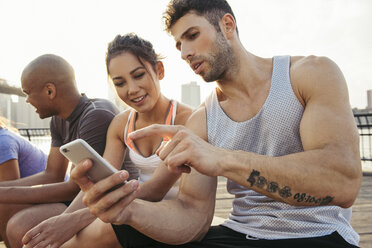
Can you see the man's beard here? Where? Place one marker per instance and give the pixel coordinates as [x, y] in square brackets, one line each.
[220, 59]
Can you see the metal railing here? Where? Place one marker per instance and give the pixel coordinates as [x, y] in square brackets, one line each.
[34, 133]
[41, 136]
[364, 124]
[38, 136]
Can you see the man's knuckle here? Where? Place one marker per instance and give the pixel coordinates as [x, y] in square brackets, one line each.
[180, 127]
[105, 218]
[162, 156]
[73, 176]
[182, 133]
[156, 127]
[93, 211]
[95, 190]
[109, 201]
[85, 201]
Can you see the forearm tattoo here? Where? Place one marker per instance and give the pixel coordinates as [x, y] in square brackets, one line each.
[273, 187]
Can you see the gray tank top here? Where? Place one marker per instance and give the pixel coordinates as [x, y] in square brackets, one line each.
[274, 131]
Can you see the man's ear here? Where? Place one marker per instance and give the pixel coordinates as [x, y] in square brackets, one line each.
[160, 70]
[228, 25]
[50, 90]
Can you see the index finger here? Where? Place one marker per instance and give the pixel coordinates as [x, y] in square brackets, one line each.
[79, 175]
[165, 131]
[33, 233]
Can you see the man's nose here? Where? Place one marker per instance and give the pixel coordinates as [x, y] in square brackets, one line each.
[186, 53]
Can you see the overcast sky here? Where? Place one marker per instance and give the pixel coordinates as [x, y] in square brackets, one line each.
[79, 31]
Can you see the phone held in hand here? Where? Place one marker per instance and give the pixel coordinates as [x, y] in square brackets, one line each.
[79, 150]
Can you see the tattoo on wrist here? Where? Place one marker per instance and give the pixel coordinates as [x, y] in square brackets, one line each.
[303, 197]
[261, 182]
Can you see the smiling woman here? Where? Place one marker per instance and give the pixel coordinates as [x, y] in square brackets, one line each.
[136, 70]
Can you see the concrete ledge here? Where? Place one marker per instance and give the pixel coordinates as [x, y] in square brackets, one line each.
[216, 221]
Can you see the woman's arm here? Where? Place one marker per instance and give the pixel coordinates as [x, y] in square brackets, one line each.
[9, 170]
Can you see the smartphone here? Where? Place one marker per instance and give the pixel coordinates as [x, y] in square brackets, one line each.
[79, 150]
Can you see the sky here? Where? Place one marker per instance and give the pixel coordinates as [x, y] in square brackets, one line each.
[79, 31]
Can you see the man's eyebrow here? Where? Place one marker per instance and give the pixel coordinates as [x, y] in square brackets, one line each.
[178, 43]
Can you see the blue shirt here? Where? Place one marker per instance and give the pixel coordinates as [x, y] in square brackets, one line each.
[31, 159]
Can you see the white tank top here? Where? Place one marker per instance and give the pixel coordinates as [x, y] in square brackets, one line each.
[147, 165]
[274, 131]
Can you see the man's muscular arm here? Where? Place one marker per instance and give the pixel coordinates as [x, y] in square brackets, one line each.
[328, 171]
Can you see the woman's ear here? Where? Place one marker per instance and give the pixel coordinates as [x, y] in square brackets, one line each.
[160, 70]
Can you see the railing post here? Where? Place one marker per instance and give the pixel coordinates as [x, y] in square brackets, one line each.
[364, 124]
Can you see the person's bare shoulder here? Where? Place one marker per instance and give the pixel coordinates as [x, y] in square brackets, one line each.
[119, 122]
[197, 122]
[183, 114]
[312, 64]
[312, 74]
[122, 117]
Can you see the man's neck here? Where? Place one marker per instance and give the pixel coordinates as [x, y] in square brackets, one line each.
[250, 73]
[68, 105]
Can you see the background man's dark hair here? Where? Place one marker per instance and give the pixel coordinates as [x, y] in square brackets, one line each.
[212, 10]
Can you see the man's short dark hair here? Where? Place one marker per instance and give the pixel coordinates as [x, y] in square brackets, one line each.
[212, 10]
